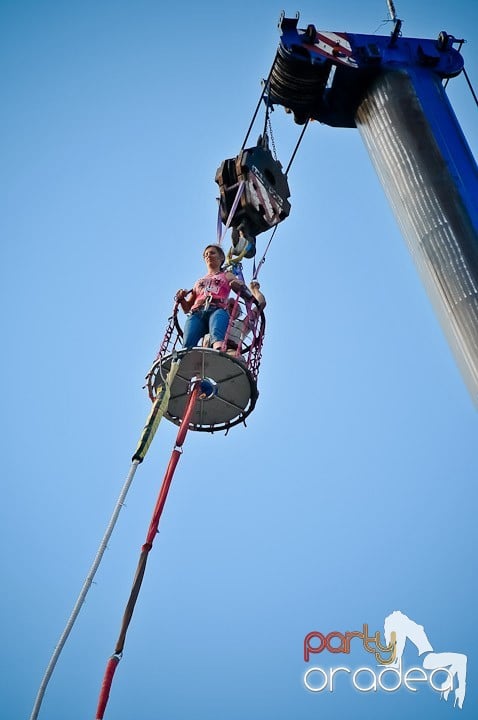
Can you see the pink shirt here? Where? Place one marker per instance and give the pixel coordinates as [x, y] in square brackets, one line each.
[216, 287]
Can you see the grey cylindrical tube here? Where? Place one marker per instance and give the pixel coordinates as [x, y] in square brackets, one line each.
[431, 180]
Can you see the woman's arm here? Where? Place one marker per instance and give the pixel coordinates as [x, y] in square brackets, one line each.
[243, 291]
[185, 302]
[261, 301]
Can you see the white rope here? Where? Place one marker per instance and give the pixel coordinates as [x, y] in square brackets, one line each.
[84, 590]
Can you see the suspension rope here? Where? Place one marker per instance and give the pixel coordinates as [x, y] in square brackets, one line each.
[266, 131]
[297, 146]
[266, 122]
[266, 83]
[157, 411]
[263, 259]
[153, 530]
[239, 193]
[470, 86]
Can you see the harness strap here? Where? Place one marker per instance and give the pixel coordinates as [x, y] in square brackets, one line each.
[211, 303]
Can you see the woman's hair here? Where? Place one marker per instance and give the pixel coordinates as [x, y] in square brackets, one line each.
[218, 248]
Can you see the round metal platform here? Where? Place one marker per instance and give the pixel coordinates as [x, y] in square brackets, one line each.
[235, 389]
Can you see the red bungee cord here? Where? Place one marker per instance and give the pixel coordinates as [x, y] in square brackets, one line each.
[152, 532]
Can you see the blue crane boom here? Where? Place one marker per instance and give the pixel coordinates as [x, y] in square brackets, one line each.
[392, 89]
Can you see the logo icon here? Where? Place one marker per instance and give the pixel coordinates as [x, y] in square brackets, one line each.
[406, 629]
[389, 675]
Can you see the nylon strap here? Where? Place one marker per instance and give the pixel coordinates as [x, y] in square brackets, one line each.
[239, 192]
[160, 406]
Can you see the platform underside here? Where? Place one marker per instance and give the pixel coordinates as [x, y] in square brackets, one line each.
[236, 391]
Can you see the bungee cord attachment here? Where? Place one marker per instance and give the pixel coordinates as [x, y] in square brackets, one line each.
[157, 412]
[197, 390]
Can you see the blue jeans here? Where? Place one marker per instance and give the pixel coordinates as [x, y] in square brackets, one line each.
[213, 321]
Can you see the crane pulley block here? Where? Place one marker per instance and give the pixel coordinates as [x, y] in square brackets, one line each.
[263, 201]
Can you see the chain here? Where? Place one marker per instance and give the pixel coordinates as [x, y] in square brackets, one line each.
[271, 136]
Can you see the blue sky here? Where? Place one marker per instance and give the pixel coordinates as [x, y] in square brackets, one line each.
[352, 490]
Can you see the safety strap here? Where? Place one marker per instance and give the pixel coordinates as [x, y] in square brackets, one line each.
[232, 212]
[160, 406]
